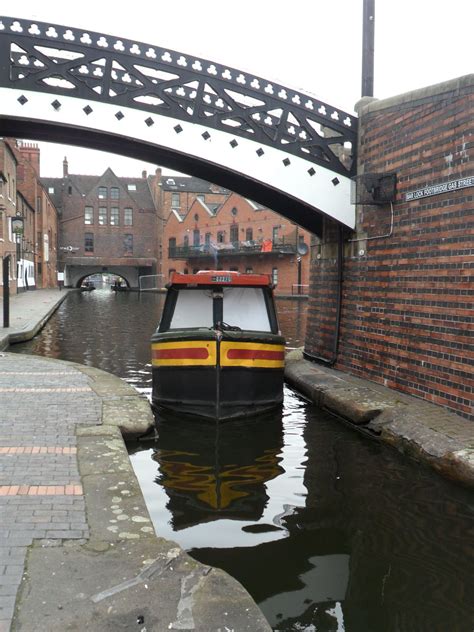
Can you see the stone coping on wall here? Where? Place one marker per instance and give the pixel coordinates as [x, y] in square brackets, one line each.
[429, 433]
[368, 105]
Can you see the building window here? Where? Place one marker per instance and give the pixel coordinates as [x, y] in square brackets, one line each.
[88, 215]
[249, 234]
[50, 190]
[128, 244]
[69, 190]
[249, 270]
[102, 216]
[132, 187]
[175, 201]
[234, 233]
[275, 233]
[220, 237]
[234, 211]
[114, 193]
[128, 217]
[275, 276]
[207, 239]
[186, 241]
[171, 246]
[114, 216]
[89, 242]
[46, 243]
[102, 193]
[196, 217]
[196, 237]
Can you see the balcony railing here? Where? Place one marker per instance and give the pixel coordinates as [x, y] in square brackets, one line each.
[252, 247]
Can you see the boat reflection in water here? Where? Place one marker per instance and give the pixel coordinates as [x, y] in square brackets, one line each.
[219, 471]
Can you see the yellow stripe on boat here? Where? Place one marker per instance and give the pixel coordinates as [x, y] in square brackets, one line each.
[252, 355]
[189, 353]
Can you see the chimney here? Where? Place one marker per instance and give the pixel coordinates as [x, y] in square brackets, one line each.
[31, 153]
[65, 167]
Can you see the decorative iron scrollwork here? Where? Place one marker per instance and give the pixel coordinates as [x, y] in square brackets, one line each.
[61, 60]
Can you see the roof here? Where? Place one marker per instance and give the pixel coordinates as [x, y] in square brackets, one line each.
[137, 188]
[220, 277]
[188, 183]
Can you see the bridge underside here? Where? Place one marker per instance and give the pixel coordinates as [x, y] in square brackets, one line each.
[76, 272]
[293, 208]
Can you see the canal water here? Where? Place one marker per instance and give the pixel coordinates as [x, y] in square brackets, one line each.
[330, 531]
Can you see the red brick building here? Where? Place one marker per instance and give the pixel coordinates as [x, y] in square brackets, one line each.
[33, 250]
[42, 245]
[406, 283]
[107, 224]
[207, 228]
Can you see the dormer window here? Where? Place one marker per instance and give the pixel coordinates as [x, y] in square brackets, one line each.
[102, 193]
[114, 193]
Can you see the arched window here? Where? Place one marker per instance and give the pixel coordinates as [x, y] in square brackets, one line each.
[234, 233]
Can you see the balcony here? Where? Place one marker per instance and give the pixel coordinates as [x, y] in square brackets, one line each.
[236, 248]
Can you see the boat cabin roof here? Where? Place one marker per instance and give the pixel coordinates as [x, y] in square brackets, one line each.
[220, 277]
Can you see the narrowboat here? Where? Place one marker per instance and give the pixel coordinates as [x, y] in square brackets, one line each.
[218, 353]
[87, 286]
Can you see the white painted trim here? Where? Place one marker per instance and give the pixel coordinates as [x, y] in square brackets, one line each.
[317, 191]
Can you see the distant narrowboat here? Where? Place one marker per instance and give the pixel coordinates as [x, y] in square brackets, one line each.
[217, 352]
[87, 286]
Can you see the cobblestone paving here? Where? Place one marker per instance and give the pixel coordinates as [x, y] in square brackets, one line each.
[40, 490]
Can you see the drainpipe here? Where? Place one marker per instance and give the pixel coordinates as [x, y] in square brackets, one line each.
[6, 291]
[337, 325]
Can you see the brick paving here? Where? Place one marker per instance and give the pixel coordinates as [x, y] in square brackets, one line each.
[41, 496]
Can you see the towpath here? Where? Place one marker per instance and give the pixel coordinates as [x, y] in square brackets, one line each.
[77, 546]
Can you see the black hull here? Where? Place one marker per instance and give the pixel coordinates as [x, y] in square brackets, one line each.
[241, 374]
[217, 394]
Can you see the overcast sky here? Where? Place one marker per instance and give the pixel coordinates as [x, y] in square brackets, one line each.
[311, 45]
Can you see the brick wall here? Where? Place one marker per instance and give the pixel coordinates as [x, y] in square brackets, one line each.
[407, 297]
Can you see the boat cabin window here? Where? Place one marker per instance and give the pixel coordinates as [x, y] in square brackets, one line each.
[193, 309]
[241, 307]
[245, 307]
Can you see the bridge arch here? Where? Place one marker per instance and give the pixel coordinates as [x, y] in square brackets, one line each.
[76, 274]
[283, 148]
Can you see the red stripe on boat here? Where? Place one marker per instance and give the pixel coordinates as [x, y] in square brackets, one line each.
[254, 354]
[192, 353]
